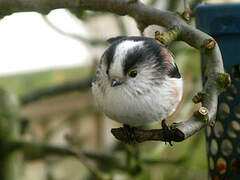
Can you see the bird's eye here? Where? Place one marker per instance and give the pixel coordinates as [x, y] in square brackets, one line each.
[132, 73]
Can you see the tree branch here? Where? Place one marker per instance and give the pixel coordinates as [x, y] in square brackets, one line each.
[141, 135]
[77, 85]
[93, 42]
[168, 37]
[140, 12]
[146, 15]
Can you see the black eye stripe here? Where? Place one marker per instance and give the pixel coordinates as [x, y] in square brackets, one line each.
[109, 53]
[109, 56]
[149, 51]
[135, 56]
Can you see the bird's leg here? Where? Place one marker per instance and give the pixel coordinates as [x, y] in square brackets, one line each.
[167, 128]
[129, 131]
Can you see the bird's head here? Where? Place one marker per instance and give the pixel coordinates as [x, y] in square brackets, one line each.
[137, 63]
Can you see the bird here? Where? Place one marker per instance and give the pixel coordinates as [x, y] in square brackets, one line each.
[137, 82]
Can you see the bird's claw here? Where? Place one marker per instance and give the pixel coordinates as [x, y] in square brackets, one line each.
[129, 132]
[166, 133]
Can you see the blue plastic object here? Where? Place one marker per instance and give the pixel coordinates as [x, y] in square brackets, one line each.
[222, 22]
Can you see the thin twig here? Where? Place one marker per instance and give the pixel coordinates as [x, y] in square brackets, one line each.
[93, 42]
[77, 85]
[121, 25]
[187, 10]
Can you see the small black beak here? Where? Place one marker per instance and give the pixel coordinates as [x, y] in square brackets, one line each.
[115, 83]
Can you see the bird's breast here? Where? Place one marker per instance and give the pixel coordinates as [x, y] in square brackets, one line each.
[135, 107]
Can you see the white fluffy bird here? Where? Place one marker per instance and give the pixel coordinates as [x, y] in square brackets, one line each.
[137, 81]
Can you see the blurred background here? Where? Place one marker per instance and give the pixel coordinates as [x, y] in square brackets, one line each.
[42, 54]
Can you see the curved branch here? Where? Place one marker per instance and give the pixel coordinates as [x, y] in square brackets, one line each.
[146, 15]
[140, 12]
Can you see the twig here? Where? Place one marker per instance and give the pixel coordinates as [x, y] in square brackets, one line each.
[77, 85]
[140, 12]
[199, 97]
[167, 37]
[141, 135]
[187, 10]
[94, 14]
[121, 26]
[165, 161]
[93, 42]
[202, 114]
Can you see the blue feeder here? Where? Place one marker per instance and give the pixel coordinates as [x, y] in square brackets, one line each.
[222, 22]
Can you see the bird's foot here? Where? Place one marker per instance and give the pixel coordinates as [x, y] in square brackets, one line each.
[166, 133]
[129, 132]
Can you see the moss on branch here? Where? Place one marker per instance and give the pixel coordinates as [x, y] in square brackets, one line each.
[167, 37]
[199, 97]
[223, 81]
